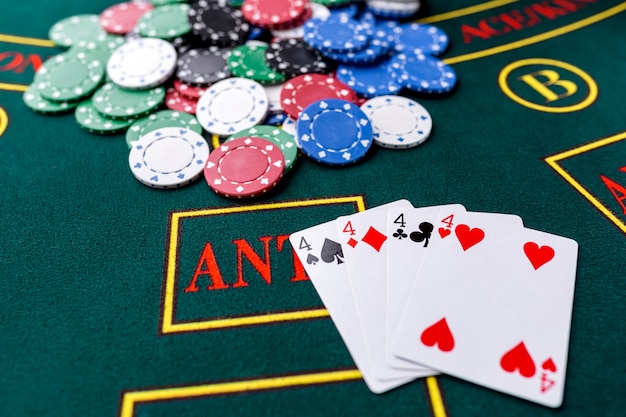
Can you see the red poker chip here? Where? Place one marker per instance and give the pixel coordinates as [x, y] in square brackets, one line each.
[177, 102]
[189, 91]
[301, 20]
[303, 90]
[272, 13]
[121, 18]
[244, 167]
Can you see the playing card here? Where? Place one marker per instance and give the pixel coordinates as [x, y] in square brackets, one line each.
[410, 234]
[364, 239]
[492, 305]
[322, 256]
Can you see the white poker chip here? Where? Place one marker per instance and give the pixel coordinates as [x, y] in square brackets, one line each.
[142, 63]
[169, 157]
[273, 97]
[290, 126]
[232, 105]
[398, 122]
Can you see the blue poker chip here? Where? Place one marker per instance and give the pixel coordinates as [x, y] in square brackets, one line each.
[275, 119]
[423, 73]
[380, 44]
[337, 33]
[374, 80]
[420, 38]
[256, 32]
[334, 132]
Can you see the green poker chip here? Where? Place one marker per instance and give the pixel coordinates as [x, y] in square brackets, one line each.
[91, 120]
[34, 101]
[158, 120]
[284, 140]
[165, 22]
[248, 61]
[331, 3]
[115, 102]
[157, 3]
[100, 49]
[69, 77]
[73, 29]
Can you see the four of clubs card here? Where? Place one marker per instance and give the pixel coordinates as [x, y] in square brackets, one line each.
[421, 291]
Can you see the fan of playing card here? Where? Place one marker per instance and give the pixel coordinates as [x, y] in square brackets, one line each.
[421, 291]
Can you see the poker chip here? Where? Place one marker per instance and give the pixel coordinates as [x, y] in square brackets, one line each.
[143, 63]
[34, 101]
[165, 22]
[121, 18]
[424, 73]
[379, 45]
[159, 120]
[398, 122]
[169, 157]
[174, 100]
[303, 90]
[100, 50]
[232, 105]
[91, 120]
[69, 77]
[333, 3]
[69, 31]
[272, 13]
[293, 57]
[116, 103]
[189, 91]
[218, 23]
[393, 9]
[203, 66]
[338, 33]
[334, 132]
[244, 167]
[419, 39]
[284, 140]
[370, 80]
[248, 61]
[275, 119]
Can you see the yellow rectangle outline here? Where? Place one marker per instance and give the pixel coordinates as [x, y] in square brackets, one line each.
[130, 400]
[553, 160]
[167, 325]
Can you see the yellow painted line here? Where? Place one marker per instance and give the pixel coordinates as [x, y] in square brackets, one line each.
[553, 162]
[168, 326]
[251, 320]
[436, 399]
[4, 121]
[13, 87]
[131, 399]
[466, 11]
[539, 38]
[22, 40]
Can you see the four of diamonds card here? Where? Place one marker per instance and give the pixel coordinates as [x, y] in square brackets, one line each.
[421, 291]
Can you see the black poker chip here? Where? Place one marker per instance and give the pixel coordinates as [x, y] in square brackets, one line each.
[217, 23]
[293, 57]
[203, 66]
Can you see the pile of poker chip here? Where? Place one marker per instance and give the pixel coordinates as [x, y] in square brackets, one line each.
[268, 80]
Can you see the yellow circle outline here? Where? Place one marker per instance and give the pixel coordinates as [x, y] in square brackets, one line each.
[4, 121]
[591, 97]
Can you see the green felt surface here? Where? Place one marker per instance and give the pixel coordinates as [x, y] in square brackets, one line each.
[84, 246]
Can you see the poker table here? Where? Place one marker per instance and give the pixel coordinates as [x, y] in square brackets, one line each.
[120, 299]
